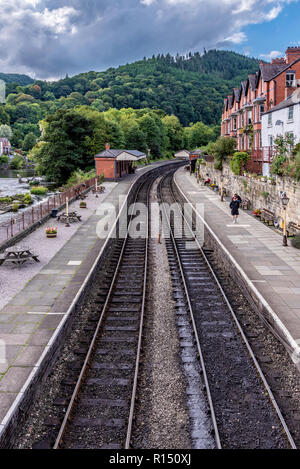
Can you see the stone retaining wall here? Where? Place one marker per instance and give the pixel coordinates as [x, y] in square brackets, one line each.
[261, 194]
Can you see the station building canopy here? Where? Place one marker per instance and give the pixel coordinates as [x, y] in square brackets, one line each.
[182, 154]
[121, 155]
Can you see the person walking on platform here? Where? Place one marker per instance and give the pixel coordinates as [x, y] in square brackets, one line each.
[235, 205]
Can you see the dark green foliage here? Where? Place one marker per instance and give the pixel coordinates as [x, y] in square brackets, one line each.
[65, 145]
[296, 242]
[17, 162]
[191, 88]
[22, 80]
[237, 161]
[4, 116]
[29, 142]
[4, 159]
[222, 149]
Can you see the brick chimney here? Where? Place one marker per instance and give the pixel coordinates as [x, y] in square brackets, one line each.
[107, 146]
[292, 53]
[278, 60]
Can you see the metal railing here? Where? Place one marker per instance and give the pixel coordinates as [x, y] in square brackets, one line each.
[30, 216]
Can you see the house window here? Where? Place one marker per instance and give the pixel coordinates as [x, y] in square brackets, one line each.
[255, 114]
[291, 114]
[270, 140]
[260, 140]
[261, 110]
[249, 117]
[290, 79]
[234, 123]
[270, 120]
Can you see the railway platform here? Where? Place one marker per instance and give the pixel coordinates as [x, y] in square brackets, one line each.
[32, 323]
[269, 271]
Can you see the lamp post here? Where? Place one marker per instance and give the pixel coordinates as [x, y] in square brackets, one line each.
[285, 200]
[222, 188]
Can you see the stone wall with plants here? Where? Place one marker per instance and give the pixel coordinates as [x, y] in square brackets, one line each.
[262, 192]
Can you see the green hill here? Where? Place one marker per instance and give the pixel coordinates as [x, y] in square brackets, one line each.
[191, 87]
[22, 80]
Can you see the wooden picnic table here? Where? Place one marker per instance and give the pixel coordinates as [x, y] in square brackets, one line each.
[71, 217]
[19, 255]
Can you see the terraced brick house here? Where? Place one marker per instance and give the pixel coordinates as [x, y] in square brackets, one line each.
[242, 114]
[5, 146]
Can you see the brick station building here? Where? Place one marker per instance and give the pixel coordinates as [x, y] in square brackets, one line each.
[115, 164]
[243, 109]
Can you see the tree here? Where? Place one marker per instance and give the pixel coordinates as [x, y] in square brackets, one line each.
[29, 141]
[136, 139]
[222, 148]
[4, 117]
[65, 145]
[153, 137]
[5, 131]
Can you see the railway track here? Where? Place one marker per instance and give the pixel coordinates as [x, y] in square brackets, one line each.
[244, 412]
[101, 409]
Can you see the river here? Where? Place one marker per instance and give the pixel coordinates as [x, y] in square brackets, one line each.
[9, 185]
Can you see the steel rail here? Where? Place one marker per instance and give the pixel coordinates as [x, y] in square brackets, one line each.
[236, 321]
[132, 404]
[209, 397]
[95, 337]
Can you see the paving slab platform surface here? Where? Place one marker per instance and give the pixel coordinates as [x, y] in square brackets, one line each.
[270, 270]
[30, 322]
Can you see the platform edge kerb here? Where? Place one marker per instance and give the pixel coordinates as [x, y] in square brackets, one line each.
[22, 400]
[291, 344]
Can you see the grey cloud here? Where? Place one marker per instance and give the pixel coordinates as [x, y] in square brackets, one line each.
[71, 36]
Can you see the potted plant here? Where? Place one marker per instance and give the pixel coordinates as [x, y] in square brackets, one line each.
[82, 204]
[51, 232]
[257, 212]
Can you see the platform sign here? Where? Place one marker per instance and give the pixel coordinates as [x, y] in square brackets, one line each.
[2, 92]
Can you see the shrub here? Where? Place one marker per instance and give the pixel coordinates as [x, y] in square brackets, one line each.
[5, 200]
[296, 242]
[27, 199]
[265, 195]
[39, 190]
[79, 177]
[15, 207]
[277, 165]
[239, 158]
[17, 162]
[4, 159]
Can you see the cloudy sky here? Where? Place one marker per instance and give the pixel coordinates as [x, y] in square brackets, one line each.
[48, 39]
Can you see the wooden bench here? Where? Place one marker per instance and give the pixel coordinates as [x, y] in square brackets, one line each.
[267, 216]
[245, 204]
[293, 229]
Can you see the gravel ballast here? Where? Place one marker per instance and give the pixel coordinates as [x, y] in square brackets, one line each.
[162, 420]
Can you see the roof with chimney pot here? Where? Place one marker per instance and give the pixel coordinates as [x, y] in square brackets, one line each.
[115, 154]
